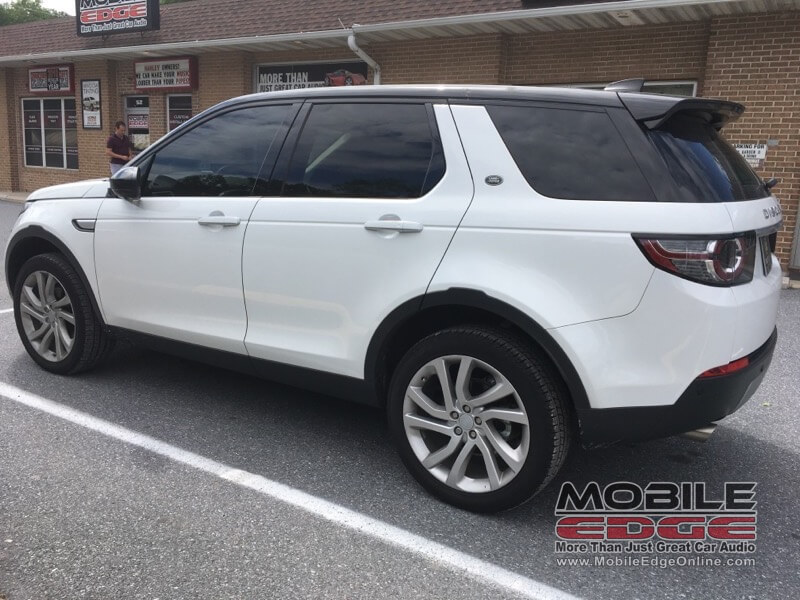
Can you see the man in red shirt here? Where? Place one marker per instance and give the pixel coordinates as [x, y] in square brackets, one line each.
[118, 147]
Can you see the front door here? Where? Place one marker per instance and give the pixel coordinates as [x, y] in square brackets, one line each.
[170, 265]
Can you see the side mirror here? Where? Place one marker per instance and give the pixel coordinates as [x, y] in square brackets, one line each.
[125, 184]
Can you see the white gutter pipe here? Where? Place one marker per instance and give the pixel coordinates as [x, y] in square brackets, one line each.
[376, 68]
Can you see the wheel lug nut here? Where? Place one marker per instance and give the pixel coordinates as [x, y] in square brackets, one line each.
[473, 435]
[459, 431]
[454, 415]
[467, 408]
[478, 421]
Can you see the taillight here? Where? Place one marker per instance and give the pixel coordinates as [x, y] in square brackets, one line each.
[720, 261]
[732, 367]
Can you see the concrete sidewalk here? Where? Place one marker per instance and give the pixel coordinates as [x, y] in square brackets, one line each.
[18, 197]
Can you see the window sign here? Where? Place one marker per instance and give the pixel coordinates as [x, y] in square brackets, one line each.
[273, 78]
[137, 118]
[166, 74]
[46, 80]
[104, 17]
[90, 104]
[179, 110]
[754, 154]
[51, 132]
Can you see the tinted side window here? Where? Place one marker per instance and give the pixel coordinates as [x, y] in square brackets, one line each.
[365, 151]
[571, 154]
[221, 157]
[703, 164]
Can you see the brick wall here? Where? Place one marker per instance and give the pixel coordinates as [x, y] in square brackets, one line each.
[92, 158]
[6, 135]
[664, 52]
[468, 60]
[756, 61]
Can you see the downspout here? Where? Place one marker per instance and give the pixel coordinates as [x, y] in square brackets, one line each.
[376, 68]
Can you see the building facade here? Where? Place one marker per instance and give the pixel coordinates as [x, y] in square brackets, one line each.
[63, 92]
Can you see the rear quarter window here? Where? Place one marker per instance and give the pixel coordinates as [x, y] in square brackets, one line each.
[569, 153]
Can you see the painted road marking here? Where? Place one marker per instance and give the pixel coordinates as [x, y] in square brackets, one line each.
[6, 310]
[475, 568]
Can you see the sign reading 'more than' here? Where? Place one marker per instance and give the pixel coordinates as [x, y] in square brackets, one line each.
[174, 74]
[107, 17]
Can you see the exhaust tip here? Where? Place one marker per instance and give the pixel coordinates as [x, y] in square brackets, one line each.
[701, 434]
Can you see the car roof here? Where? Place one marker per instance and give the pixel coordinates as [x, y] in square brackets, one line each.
[456, 93]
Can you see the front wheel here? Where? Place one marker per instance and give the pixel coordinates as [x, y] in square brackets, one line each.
[479, 418]
[54, 316]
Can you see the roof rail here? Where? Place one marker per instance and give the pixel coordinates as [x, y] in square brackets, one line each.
[626, 85]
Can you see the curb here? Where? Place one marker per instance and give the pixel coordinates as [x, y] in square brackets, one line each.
[15, 198]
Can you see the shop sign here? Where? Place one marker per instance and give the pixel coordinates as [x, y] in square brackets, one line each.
[166, 74]
[138, 122]
[90, 104]
[106, 17]
[754, 154]
[273, 78]
[46, 80]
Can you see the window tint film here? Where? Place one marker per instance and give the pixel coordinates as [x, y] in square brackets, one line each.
[365, 151]
[705, 166]
[571, 154]
[221, 157]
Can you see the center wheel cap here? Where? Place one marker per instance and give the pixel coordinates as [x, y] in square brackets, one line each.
[466, 422]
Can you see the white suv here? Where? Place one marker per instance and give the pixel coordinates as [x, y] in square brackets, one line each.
[504, 269]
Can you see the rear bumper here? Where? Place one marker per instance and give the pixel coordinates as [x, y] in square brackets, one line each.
[705, 400]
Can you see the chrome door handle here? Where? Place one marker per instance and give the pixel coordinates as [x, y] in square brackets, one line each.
[390, 225]
[219, 220]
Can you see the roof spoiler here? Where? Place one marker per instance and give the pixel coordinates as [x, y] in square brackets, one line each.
[653, 111]
[626, 85]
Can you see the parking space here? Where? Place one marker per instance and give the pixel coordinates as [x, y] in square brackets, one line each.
[89, 514]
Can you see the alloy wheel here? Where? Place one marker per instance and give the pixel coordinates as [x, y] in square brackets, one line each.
[466, 424]
[48, 317]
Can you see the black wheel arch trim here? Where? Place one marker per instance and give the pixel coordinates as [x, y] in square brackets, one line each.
[476, 299]
[38, 232]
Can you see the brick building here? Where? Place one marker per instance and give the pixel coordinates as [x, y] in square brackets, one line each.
[206, 51]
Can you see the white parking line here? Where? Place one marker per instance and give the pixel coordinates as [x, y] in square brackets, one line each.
[6, 310]
[475, 568]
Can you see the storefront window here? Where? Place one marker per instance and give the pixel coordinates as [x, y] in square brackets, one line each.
[179, 110]
[51, 133]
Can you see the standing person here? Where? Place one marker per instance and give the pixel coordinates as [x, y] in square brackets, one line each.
[118, 147]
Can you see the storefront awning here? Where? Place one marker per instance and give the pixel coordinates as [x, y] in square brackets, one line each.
[600, 15]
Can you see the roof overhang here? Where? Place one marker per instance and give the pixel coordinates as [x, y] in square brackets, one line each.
[601, 15]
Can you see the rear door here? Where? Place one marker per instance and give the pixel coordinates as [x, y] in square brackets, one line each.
[373, 192]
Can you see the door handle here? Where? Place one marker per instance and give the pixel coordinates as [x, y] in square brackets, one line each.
[393, 225]
[219, 220]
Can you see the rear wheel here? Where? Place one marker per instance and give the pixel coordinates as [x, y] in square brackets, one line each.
[54, 316]
[479, 418]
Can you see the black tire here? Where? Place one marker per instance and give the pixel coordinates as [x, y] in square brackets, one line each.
[538, 390]
[348, 81]
[91, 342]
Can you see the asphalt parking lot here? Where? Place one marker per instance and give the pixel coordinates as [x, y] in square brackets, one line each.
[207, 505]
